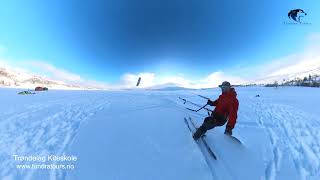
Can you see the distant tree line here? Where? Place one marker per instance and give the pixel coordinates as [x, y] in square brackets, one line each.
[310, 81]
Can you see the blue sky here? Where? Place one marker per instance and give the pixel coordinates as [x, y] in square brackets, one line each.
[108, 40]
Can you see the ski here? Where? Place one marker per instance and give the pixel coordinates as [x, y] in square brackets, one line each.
[230, 136]
[204, 141]
[234, 139]
[202, 138]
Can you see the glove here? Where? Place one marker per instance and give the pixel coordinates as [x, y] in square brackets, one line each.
[210, 102]
[228, 131]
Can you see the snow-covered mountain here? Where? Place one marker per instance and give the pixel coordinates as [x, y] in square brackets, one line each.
[19, 79]
[168, 87]
[287, 76]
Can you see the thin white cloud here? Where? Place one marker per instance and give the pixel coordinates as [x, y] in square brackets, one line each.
[68, 77]
[55, 73]
[299, 64]
[5, 63]
[27, 69]
[216, 78]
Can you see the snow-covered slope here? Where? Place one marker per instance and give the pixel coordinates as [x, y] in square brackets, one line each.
[287, 76]
[141, 135]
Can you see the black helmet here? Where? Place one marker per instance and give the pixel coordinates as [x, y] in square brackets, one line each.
[225, 84]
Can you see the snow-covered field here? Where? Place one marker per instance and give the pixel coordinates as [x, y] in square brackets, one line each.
[136, 135]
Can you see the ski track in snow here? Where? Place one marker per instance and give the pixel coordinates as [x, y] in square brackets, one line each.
[43, 128]
[49, 127]
[290, 131]
[208, 158]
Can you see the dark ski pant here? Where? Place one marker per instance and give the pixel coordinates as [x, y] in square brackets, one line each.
[209, 123]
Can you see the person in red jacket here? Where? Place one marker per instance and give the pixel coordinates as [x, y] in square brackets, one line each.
[226, 110]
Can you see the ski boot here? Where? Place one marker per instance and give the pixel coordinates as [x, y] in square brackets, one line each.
[200, 132]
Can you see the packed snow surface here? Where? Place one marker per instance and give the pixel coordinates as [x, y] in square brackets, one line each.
[140, 134]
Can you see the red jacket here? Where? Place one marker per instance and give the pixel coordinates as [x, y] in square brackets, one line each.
[227, 105]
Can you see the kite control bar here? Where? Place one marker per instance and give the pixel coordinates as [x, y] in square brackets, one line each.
[201, 107]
